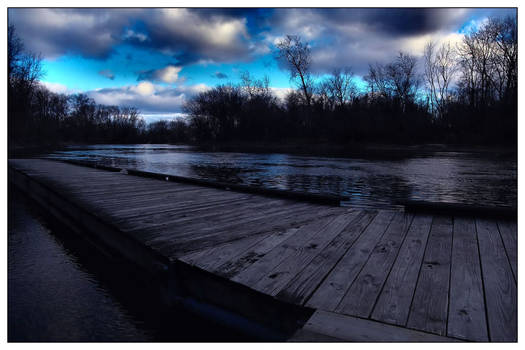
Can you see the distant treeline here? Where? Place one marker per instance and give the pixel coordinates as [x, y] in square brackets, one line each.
[464, 93]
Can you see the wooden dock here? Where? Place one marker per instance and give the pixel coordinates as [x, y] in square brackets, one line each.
[309, 272]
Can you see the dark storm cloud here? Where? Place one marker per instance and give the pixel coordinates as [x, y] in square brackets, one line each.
[338, 37]
[54, 32]
[189, 35]
[357, 37]
[395, 21]
[193, 36]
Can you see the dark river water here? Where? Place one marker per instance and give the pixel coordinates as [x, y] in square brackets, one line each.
[62, 289]
[481, 178]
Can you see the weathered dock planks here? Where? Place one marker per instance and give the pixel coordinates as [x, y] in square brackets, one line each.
[339, 274]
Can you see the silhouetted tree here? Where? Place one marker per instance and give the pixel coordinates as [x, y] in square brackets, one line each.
[296, 55]
[440, 70]
[341, 86]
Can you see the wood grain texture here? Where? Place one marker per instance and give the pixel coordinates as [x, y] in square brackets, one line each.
[499, 283]
[258, 270]
[509, 235]
[393, 305]
[362, 294]
[466, 319]
[430, 305]
[303, 285]
[295, 260]
[335, 285]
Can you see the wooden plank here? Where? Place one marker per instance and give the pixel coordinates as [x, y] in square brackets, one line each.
[466, 315]
[394, 301]
[254, 253]
[499, 283]
[255, 272]
[303, 285]
[294, 261]
[254, 221]
[430, 305]
[170, 204]
[134, 191]
[197, 228]
[348, 328]
[208, 259]
[509, 235]
[126, 207]
[334, 287]
[211, 214]
[109, 199]
[180, 242]
[362, 294]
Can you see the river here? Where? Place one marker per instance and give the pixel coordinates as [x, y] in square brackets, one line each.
[466, 177]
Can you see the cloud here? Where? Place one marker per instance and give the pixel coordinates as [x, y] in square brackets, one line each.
[189, 35]
[168, 74]
[281, 93]
[339, 37]
[107, 73]
[357, 37]
[57, 87]
[149, 98]
[55, 31]
[132, 35]
[220, 75]
[192, 35]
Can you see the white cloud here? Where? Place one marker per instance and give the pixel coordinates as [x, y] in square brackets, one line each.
[57, 88]
[149, 98]
[144, 88]
[168, 74]
[131, 34]
[155, 117]
[416, 45]
[281, 93]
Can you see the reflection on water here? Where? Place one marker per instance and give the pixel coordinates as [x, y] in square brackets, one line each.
[457, 177]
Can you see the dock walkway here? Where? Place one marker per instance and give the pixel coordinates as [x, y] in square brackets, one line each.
[315, 272]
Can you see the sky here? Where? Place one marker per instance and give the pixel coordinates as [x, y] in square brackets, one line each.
[156, 59]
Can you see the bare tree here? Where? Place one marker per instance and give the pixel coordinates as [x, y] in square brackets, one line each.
[341, 86]
[378, 81]
[504, 34]
[489, 62]
[440, 70]
[255, 87]
[403, 78]
[15, 48]
[296, 55]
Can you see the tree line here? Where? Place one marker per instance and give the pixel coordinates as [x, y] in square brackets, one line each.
[463, 93]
